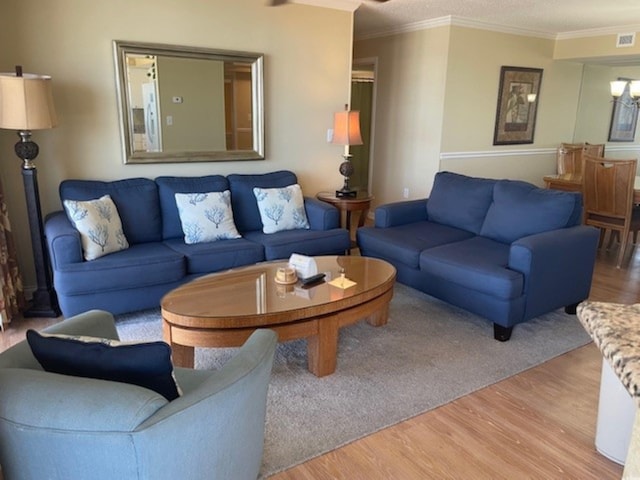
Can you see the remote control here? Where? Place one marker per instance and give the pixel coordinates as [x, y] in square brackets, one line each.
[312, 279]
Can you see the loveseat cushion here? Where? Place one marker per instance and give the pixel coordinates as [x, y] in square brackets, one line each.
[520, 209]
[476, 263]
[243, 200]
[144, 264]
[167, 189]
[403, 243]
[210, 257]
[460, 201]
[281, 245]
[135, 198]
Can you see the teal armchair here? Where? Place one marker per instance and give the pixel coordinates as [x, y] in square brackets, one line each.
[62, 427]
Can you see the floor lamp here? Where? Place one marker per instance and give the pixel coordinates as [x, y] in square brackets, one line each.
[26, 104]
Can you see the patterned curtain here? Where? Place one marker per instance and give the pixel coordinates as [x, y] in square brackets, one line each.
[12, 299]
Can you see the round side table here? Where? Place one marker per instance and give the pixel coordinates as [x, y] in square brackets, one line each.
[360, 203]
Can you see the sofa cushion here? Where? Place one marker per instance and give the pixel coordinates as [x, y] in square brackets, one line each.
[243, 201]
[99, 226]
[167, 189]
[135, 198]
[403, 243]
[215, 256]
[460, 201]
[305, 242]
[281, 208]
[206, 217]
[147, 365]
[520, 209]
[140, 265]
[477, 263]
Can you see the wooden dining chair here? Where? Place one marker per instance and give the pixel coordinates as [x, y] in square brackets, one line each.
[608, 198]
[569, 158]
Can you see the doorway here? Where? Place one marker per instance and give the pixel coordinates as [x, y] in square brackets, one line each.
[363, 99]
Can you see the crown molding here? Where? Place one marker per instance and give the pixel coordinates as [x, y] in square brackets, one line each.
[408, 27]
[494, 27]
[597, 32]
[453, 20]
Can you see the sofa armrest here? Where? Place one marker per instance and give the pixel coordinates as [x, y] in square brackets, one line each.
[321, 215]
[557, 267]
[63, 239]
[400, 213]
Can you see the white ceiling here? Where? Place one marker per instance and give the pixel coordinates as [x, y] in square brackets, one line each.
[546, 18]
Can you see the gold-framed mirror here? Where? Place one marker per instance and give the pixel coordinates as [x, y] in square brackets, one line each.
[188, 104]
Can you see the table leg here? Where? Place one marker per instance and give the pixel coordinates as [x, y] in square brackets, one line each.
[363, 217]
[181, 355]
[379, 317]
[322, 349]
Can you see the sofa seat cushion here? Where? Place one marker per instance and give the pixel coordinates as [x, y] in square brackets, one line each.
[281, 245]
[135, 198]
[460, 201]
[209, 257]
[477, 263]
[144, 264]
[520, 209]
[167, 189]
[404, 243]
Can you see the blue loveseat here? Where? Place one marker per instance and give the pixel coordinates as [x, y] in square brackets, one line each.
[502, 249]
[158, 259]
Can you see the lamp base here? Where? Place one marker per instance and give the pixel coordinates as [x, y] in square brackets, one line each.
[346, 193]
[44, 303]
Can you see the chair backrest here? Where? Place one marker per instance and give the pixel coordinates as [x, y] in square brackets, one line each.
[593, 149]
[569, 158]
[608, 191]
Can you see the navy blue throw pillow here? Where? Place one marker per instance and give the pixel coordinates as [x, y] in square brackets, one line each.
[147, 365]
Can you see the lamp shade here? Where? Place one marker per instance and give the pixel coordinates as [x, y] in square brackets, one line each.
[346, 128]
[26, 102]
[617, 88]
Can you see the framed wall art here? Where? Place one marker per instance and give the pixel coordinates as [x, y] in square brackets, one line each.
[518, 97]
[624, 117]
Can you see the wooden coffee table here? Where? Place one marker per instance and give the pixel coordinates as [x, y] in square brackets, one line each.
[223, 309]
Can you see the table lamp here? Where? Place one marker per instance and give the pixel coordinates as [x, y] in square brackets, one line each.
[346, 131]
[26, 104]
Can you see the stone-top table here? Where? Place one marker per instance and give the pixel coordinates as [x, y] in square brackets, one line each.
[615, 329]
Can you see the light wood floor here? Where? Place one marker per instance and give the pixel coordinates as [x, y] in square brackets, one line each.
[539, 424]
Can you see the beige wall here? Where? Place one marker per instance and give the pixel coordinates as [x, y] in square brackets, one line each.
[436, 100]
[410, 88]
[594, 112]
[593, 48]
[473, 79]
[307, 69]
[197, 124]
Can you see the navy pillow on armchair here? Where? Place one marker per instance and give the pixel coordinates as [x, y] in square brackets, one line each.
[147, 365]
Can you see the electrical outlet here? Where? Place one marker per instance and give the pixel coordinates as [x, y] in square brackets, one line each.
[405, 193]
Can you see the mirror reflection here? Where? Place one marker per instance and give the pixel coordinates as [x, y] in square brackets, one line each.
[189, 104]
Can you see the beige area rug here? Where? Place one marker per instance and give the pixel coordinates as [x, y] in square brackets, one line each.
[429, 354]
